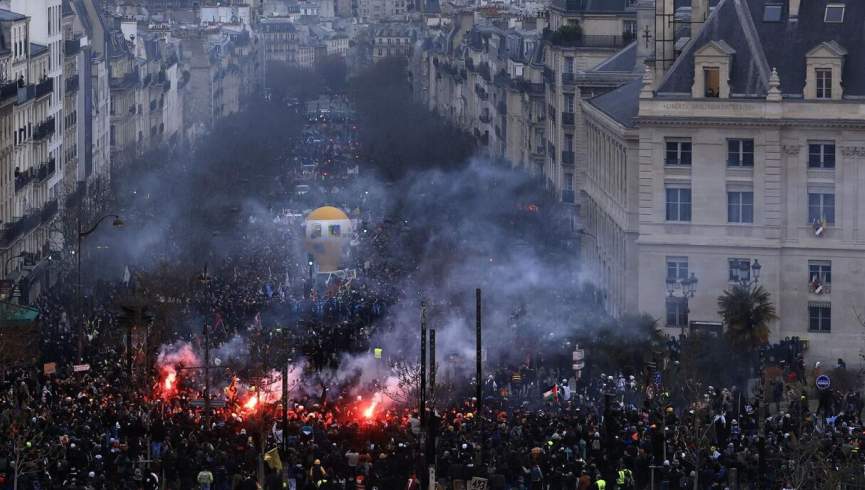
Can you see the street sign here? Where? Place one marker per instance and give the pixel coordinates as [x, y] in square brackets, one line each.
[579, 355]
[823, 382]
[579, 365]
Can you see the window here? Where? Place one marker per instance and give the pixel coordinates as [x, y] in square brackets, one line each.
[740, 153]
[820, 271]
[677, 312]
[821, 206]
[772, 12]
[569, 142]
[821, 155]
[569, 181]
[678, 204]
[316, 231]
[712, 79]
[335, 230]
[678, 152]
[740, 270]
[677, 268]
[834, 13]
[740, 207]
[819, 317]
[569, 103]
[569, 64]
[824, 83]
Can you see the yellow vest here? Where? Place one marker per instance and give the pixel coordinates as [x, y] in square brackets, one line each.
[602, 484]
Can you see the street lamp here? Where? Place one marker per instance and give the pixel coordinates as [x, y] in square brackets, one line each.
[683, 289]
[117, 223]
[754, 277]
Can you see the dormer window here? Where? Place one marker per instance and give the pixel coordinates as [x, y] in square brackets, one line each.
[824, 83]
[824, 65]
[834, 13]
[712, 82]
[712, 70]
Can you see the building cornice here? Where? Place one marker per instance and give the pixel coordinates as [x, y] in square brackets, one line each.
[677, 121]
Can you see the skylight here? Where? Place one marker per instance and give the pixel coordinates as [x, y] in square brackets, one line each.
[834, 13]
[772, 12]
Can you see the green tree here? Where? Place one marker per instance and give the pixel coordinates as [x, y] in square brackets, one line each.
[747, 312]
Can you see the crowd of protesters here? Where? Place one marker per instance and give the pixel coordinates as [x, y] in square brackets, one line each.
[97, 427]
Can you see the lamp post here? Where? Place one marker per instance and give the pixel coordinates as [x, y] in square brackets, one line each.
[750, 280]
[683, 289]
[117, 223]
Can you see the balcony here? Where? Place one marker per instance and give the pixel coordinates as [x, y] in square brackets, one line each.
[502, 108]
[567, 78]
[568, 196]
[72, 84]
[46, 170]
[72, 47]
[9, 90]
[567, 158]
[49, 211]
[568, 118]
[43, 88]
[18, 228]
[485, 118]
[22, 179]
[569, 37]
[44, 130]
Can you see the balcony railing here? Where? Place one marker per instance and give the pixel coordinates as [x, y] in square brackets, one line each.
[49, 210]
[572, 39]
[19, 227]
[46, 170]
[568, 196]
[568, 118]
[820, 288]
[22, 179]
[72, 84]
[567, 157]
[567, 78]
[44, 130]
[45, 87]
[9, 89]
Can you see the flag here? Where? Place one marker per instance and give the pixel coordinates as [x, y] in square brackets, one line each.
[272, 459]
[819, 227]
[127, 275]
[552, 393]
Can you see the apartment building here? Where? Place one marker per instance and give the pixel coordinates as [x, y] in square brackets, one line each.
[29, 156]
[392, 41]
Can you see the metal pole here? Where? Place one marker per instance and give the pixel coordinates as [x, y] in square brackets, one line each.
[478, 354]
[80, 310]
[285, 391]
[422, 409]
[432, 365]
[479, 375]
[206, 375]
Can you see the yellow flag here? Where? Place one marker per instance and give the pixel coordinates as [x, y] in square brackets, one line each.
[272, 459]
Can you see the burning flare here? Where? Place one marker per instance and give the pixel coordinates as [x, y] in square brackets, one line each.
[251, 403]
[369, 412]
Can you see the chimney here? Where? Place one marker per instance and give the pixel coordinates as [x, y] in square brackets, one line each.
[699, 12]
[793, 13]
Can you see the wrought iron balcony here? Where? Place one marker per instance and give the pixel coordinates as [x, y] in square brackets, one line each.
[567, 157]
[568, 118]
[44, 130]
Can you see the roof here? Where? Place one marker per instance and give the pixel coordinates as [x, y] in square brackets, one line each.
[760, 46]
[623, 61]
[327, 213]
[37, 49]
[621, 104]
[593, 5]
[10, 16]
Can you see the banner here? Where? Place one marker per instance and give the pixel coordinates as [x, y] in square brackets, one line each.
[79, 368]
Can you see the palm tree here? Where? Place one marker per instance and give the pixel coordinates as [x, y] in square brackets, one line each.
[747, 312]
